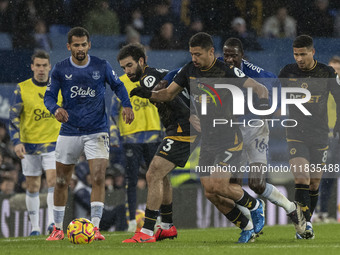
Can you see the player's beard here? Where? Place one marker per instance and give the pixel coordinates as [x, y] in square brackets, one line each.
[138, 74]
[80, 56]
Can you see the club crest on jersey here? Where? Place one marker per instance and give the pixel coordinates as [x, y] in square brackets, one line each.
[96, 75]
[68, 77]
[304, 85]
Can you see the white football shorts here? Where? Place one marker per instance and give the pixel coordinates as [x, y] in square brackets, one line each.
[255, 143]
[69, 148]
[32, 165]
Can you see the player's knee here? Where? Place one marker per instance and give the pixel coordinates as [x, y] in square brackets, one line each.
[257, 185]
[61, 182]
[98, 179]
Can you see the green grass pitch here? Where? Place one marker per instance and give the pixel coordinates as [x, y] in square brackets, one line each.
[276, 240]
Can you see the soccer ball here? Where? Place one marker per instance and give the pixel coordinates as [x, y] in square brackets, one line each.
[140, 216]
[80, 231]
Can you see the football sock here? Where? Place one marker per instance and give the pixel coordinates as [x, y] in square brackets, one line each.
[166, 213]
[50, 194]
[314, 196]
[248, 201]
[58, 212]
[33, 205]
[235, 216]
[150, 221]
[277, 198]
[245, 211]
[96, 212]
[302, 197]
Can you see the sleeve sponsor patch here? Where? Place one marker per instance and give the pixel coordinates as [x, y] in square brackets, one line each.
[238, 72]
[149, 81]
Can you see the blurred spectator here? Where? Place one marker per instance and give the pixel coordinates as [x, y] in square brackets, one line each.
[6, 16]
[216, 15]
[137, 21]
[196, 25]
[165, 39]
[161, 14]
[102, 20]
[240, 31]
[82, 190]
[7, 185]
[42, 41]
[24, 23]
[318, 21]
[280, 25]
[132, 36]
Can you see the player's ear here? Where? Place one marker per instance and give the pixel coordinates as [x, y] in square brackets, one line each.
[212, 51]
[89, 44]
[68, 46]
[313, 51]
[141, 61]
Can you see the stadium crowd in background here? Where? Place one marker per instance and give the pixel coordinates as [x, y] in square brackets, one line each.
[150, 17]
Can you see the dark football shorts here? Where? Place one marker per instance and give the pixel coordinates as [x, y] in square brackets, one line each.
[225, 160]
[315, 154]
[176, 151]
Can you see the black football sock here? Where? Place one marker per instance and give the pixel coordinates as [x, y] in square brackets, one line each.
[247, 201]
[150, 219]
[302, 197]
[236, 216]
[314, 196]
[166, 213]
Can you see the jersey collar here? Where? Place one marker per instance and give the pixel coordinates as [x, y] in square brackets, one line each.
[84, 66]
[207, 69]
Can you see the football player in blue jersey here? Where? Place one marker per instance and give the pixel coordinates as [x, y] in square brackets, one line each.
[82, 79]
[256, 139]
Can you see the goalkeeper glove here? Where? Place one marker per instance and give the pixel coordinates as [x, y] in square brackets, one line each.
[141, 92]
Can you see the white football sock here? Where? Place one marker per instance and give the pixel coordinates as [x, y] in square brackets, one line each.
[277, 198]
[33, 205]
[50, 203]
[58, 212]
[96, 212]
[147, 231]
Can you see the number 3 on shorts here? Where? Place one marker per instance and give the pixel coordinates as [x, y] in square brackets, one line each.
[167, 147]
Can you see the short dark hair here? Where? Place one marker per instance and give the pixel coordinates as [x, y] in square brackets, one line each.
[202, 40]
[135, 50]
[334, 59]
[303, 41]
[40, 54]
[77, 32]
[234, 42]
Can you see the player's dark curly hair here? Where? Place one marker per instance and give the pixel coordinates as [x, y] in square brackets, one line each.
[134, 50]
[77, 32]
[202, 40]
[303, 41]
[234, 42]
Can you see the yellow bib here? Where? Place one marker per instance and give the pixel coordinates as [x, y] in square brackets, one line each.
[37, 124]
[146, 114]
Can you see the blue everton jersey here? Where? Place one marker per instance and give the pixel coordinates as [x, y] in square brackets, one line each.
[83, 91]
[264, 77]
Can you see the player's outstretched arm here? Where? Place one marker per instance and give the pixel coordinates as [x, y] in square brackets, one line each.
[260, 90]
